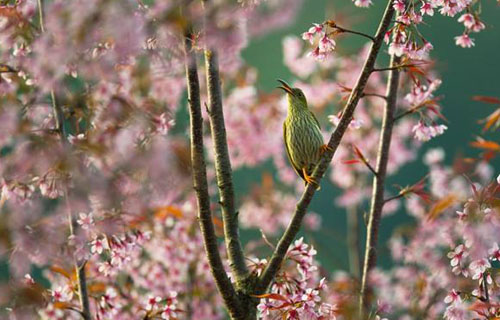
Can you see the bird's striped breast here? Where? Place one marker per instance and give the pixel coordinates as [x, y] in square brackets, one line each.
[304, 139]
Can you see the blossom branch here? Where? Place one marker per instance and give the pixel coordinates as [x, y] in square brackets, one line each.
[353, 240]
[374, 95]
[223, 169]
[407, 112]
[293, 228]
[377, 201]
[391, 68]
[485, 287]
[79, 265]
[344, 30]
[398, 196]
[201, 185]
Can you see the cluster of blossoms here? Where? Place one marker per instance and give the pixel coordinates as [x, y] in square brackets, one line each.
[325, 43]
[445, 266]
[413, 13]
[296, 293]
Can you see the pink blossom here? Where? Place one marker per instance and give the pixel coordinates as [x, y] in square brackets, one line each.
[396, 49]
[28, 279]
[85, 220]
[363, 3]
[354, 124]
[434, 156]
[425, 133]
[464, 41]
[317, 54]
[152, 302]
[98, 245]
[456, 312]
[62, 293]
[453, 297]
[326, 44]
[399, 5]
[163, 123]
[478, 26]
[457, 255]
[427, 9]
[468, 20]
[316, 29]
[478, 267]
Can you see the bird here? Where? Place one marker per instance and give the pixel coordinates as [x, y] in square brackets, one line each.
[301, 134]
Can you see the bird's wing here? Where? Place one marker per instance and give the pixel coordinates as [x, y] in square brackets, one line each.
[315, 119]
[295, 167]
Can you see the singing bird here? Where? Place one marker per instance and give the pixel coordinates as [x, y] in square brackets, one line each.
[302, 134]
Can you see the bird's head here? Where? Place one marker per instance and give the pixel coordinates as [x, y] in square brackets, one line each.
[295, 96]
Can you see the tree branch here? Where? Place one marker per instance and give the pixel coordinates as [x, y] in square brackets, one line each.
[353, 241]
[381, 96]
[79, 265]
[201, 186]
[357, 92]
[344, 30]
[391, 68]
[377, 201]
[223, 170]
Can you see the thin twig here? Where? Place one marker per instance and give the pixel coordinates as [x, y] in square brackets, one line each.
[79, 265]
[201, 186]
[335, 26]
[391, 68]
[485, 288]
[404, 114]
[223, 169]
[369, 166]
[301, 208]
[374, 95]
[377, 200]
[398, 196]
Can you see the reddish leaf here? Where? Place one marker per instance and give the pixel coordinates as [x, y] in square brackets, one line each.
[492, 119]
[163, 212]
[485, 144]
[352, 161]
[61, 271]
[441, 206]
[486, 99]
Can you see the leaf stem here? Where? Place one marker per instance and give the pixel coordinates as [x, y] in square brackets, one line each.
[344, 30]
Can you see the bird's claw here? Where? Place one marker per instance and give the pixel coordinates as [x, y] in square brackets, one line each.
[325, 148]
[309, 179]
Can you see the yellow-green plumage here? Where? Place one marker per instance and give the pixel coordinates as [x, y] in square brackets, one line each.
[301, 133]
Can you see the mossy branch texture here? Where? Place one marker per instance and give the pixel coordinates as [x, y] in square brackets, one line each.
[201, 185]
[223, 169]
[377, 200]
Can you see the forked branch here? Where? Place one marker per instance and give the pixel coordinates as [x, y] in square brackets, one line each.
[201, 185]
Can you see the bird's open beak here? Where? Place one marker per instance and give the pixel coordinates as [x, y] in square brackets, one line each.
[285, 86]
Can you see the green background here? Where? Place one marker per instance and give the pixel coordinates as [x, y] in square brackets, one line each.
[465, 72]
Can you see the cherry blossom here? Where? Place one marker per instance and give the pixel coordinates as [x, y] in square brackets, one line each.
[464, 41]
